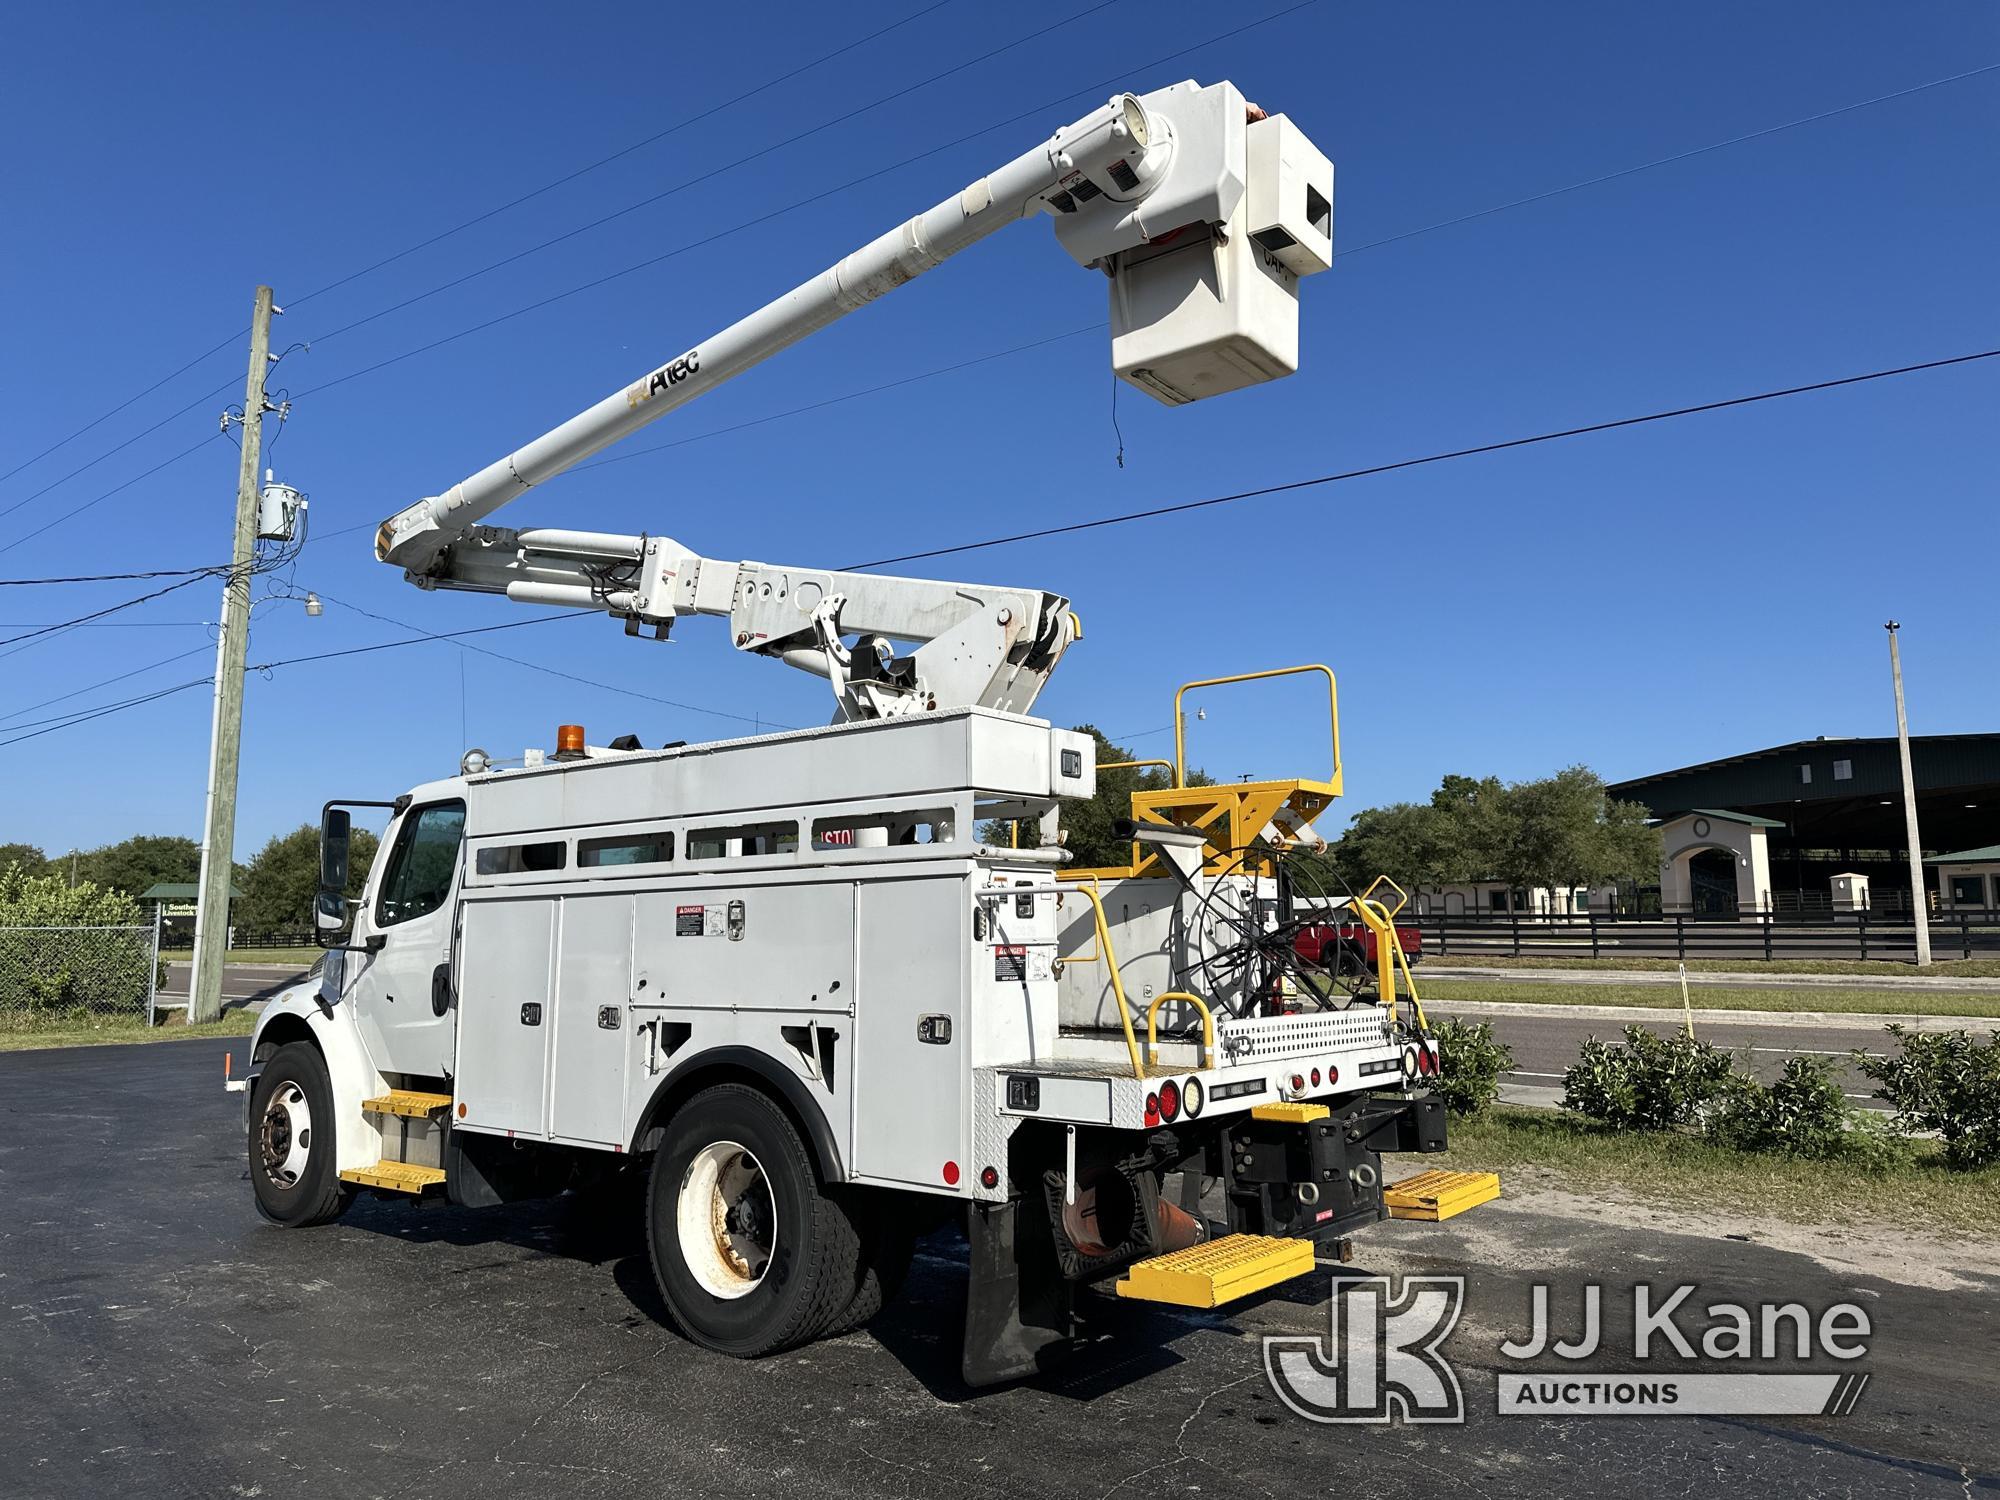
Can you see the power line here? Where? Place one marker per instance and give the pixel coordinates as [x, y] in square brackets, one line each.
[591, 285]
[796, 411]
[873, 390]
[536, 666]
[122, 676]
[1134, 516]
[445, 635]
[605, 161]
[84, 716]
[718, 171]
[110, 452]
[106, 416]
[116, 489]
[19, 583]
[1431, 458]
[789, 207]
[39, 631]
[512, 203]
[1736, 140]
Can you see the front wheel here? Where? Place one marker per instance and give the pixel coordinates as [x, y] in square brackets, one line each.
[752, 1253]
[292, 1133]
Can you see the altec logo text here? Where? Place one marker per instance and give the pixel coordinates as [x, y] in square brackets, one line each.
[1383, 1360]
[667, 375]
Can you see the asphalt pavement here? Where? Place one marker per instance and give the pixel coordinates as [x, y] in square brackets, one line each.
[160, 1340]
[240, 982]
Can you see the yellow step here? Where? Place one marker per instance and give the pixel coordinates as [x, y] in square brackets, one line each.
[1220, 1271]
[398, 1176]
[1440, 1195]
[412, 1103]
[1290, 1113]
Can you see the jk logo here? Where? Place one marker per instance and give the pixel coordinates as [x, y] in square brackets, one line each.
[1380, 1360]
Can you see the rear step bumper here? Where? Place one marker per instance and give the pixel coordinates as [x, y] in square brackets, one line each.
[1219, 1271]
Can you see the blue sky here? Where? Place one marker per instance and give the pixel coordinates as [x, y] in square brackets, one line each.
[1634, 600]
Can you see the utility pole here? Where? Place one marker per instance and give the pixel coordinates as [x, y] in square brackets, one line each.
[1920, 906]
[218, 843]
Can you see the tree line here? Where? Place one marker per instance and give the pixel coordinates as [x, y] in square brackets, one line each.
[277, 883]
[1557, 832]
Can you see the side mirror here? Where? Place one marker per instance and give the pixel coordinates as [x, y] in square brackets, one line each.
[336, 826]
[329, 915]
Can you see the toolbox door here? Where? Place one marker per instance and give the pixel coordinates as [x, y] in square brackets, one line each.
[910, 1069]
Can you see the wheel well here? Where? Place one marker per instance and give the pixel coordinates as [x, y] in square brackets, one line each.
[753, 1070]
[282, 1031]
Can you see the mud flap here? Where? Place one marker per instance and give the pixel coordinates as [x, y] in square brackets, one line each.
[1017, 1303]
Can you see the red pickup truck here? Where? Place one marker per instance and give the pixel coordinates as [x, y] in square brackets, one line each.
[1345, 947]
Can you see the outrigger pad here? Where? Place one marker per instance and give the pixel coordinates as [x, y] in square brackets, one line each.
[1017, 1302]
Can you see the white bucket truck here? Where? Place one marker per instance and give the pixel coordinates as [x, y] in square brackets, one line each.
[783, 976]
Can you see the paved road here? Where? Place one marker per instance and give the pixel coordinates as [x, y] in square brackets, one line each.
[1546, 1043]
[239, 981]
[159, 1340]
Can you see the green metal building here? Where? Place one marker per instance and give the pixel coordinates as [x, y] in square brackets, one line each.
[1839, 804]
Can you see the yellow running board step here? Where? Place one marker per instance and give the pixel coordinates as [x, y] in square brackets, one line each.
[1220, 1271]
[397, 1176]
[411, 1103]
[1290, 1112]
[1440, 1195]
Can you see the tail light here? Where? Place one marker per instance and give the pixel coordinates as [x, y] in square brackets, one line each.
[1152, 1109]
[1193, 1097]
[1170, 1101]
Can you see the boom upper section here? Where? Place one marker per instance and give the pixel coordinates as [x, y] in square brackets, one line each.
[1202, 211]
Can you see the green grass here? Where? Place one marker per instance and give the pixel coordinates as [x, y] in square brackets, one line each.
[1712, 997]
[303, 957]
[119, 1030]
[1956, 968]
[1544, 1146]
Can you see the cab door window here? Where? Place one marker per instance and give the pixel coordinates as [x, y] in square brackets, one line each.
[422, 864]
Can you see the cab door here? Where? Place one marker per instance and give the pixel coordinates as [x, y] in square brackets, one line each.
[402, 993]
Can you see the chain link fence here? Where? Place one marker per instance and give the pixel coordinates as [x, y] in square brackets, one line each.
[52, 977]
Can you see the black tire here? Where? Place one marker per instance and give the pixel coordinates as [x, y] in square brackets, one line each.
[814, 1266]
[888, 1240]
[314, 1194]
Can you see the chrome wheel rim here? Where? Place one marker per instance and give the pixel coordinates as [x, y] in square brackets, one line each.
[285, 1135]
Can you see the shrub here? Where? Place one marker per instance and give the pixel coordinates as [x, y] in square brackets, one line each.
[1649, 1082]
[1805, 1113]
[52, 967]
[1471, 1060]
[1944, 1081]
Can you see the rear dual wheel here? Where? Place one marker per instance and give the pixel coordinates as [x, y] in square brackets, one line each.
[752, 1250]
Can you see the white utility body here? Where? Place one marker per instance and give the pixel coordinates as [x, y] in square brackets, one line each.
[799, 980]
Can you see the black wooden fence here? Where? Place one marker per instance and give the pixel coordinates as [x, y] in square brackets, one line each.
[1956, 934]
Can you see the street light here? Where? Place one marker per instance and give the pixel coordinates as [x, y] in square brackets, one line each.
[1918, 903]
